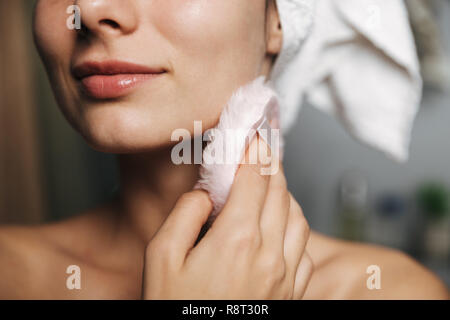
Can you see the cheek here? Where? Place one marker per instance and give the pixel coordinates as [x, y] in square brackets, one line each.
[210, 27]
[53, 39]
[217, 46]
[55, 44]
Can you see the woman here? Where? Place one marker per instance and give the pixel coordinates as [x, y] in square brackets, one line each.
[135, 72]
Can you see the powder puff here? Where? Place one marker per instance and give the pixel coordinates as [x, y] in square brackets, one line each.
[249, 107]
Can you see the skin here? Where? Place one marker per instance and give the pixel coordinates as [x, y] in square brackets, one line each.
[142, 243]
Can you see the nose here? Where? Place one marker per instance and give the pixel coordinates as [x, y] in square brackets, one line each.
[105, 18]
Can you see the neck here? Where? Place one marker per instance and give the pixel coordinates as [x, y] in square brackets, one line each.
[150, 185]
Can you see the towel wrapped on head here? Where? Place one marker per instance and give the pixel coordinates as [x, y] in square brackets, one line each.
[356, 60]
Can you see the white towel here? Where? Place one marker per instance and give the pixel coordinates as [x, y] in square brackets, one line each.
[355, 60]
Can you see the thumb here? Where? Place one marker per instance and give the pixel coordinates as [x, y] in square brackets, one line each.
[184, 223]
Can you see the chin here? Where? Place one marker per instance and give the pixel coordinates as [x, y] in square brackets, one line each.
[122, 130]
[126, 129]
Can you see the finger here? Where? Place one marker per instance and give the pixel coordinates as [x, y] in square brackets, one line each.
[184, 223]
[303, 276]
[295, 238]
[248, 192]
[275, 214]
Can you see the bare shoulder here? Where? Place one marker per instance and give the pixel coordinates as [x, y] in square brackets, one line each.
[347, 270]
[36, 257]
[21, 250]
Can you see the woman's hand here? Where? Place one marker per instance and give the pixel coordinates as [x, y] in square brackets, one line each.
[254, 250]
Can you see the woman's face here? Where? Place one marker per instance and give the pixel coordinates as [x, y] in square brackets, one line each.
[139, 69]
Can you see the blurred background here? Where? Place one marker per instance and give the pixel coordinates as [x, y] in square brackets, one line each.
[347, 190]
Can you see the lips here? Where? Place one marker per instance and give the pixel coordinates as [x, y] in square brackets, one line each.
[113, 79]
